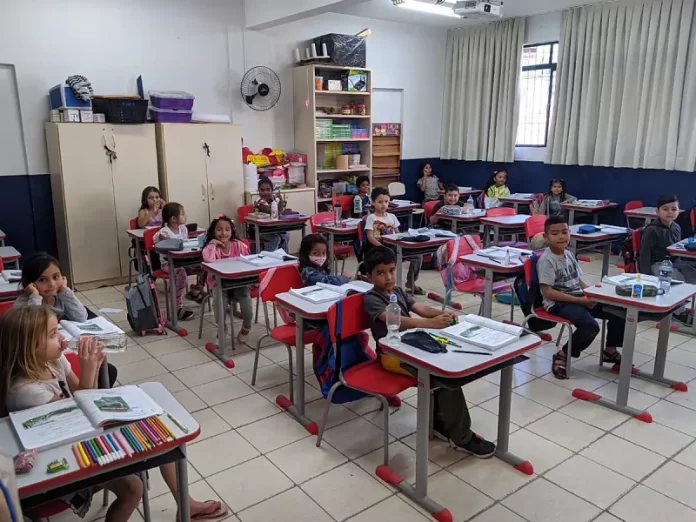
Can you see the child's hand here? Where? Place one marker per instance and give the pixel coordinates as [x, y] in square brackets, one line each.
[31, 289]
[215, 242]
[441, 321]
[161, 203]
[91, 354]
[589, 303]
[62, 285]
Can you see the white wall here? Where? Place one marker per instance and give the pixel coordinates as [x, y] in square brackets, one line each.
[540, 29]
[198, 46]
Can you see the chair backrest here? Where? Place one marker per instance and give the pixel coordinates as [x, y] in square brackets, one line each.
[464, 247]
[133, 223]
[277, 280]
[428, 207]
[345, 201]
[528, 267]
[74, 361]
[243, 212]
[319, 218]
[630, 205]
[352, 320]
[501, 211]
[5, 306]
[534, 225]
[149, 238]
[396, 188]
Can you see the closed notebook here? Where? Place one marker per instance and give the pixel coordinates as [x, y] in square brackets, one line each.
[316, 294]
[483, 332]
[353, 286]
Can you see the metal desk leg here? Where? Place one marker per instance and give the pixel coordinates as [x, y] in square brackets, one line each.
[173, 319]
[504, 406]
[658, 374]
[257, 236]
[332, 257]
[182, 487]
[496, 234]
[220, 351]
[139, 256]
[399, 263]
[571, 216]
[454, 225]
[419, 492]
[488, 294]
[605, 259]
[486, 236]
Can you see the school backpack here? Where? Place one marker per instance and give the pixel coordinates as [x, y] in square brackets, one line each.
[143, 310]
[629, 252]
[535, 204]
[451, 270]
[530, 297]
[349, 352]
[359, 243]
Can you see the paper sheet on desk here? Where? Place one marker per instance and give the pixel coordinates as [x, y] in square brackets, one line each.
[629, 279]
[413, 232]
[611, 229]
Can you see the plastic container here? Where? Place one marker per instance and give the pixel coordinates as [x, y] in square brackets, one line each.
[393, 318]
[665, 276]
[63, 97]
[170, 116]
[176, 100]
[121, 110]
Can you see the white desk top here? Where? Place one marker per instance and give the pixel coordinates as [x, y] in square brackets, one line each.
[464, 191]
[516, 265]
[398, 239]
[642, 212]
[254, 220]
[186, 252]
[678, 249]
[8, 253]
[334, 229]
[472, 215]
[137, 233]
[587, 207]
[304, 308]
[595, 236]
[606, 293]
[506, 221]
[38, 479]
[2, 235]
[459, 364]
[518, 198]
[235, 267]
[10, 289]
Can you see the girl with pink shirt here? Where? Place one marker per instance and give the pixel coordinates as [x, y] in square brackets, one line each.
[222, 243]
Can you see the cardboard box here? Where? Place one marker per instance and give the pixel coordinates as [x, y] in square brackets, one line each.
[99, 117]
[70, 116]
[86, 116]
[335, 85]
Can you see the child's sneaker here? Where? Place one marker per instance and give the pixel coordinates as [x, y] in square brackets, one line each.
[477, 446]
[243, 335]
[184, 315]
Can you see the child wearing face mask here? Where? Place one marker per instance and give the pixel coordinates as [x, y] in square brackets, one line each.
[314, 263]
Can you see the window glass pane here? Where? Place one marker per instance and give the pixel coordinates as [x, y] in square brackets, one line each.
[554, 56]
[536, 93]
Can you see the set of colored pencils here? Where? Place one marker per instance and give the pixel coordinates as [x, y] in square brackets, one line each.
[137, 437]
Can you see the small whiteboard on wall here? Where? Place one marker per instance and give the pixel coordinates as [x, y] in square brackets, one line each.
[12, 159]
[387, 105]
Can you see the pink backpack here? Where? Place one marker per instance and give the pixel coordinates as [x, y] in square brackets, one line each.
[451, 270]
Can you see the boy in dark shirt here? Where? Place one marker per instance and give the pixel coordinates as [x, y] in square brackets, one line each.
[363, 184]
[450, 199]
[451, 415]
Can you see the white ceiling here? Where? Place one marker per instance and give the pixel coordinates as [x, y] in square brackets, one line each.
[384, 10]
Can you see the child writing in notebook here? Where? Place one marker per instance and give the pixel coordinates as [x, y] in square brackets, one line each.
[429, 183]
[151, 205]
[495, 189]
[222, 243]
[264, 204]
[34, 372]
[314, 263]
[174, 218]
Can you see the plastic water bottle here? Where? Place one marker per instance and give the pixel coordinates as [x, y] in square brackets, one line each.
[393, 318]
[665, 277]
[470, 203]
[274, 209]
[357, 205]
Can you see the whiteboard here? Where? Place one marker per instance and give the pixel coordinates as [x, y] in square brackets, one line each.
[12, 161]
[387, 105]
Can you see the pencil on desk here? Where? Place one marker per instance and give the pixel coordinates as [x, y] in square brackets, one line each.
[124, 443]
[130, 437]
[141, 436]
[178, 424]
[135, 438]
[97, 452]
[78, 457]
[148, 430]
[157, 429]
[165, 427]
[86, 448]
[106, 454]
[83, 454]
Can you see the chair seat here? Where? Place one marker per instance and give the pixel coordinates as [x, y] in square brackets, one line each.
[370, 376]
[541, 313]
[343, 250]
[478, 287]
[286, 334]
[161, 274]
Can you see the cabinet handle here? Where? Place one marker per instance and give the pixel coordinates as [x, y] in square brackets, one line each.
[212, 190]
[207, 149]
[202, 189]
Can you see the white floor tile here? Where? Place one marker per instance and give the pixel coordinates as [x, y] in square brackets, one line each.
[222, 390]
[302, 460]
[273, 432]
[602, 418]
[519, 377]
[289, 506]
[338, 414]
[220, 452]
[202, 373]
[676, 372]
[566, 431]
[163, 508]
[391, 509]
[542, 453]
[686, 399]
[536, 366]
[546, 393]
[170, 382]
[523, 410]
[480, 391]
[654, 437]
[401, 423]
[190, 401]
[145, 370]
[402, 461]
[183, 359]
[311, 393]
[330, 491]
[493, 477]
[485, 424]
[211, 424]
[636, 399]
[675, 481]
[675, 416]
[581, 379]
[249, 483]
[590, 481]
[133, 354]
[246, 410]
[244, 362]
[167, 345]
[355, 438]
[439, 451]
[623, 457]
[688, 456]
[266, 377]
[557, 504]
[498, 513]
[645, 505]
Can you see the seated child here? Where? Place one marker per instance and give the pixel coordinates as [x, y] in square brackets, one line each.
[174, 217]
[263, 204]
[452, 422]
[551, 204]
[222, 243]
[451, 199]
[363, 184]
[151, 205]
[562, 288]
[314, 263]
[381, 223]
[495, 189]
[429, 183]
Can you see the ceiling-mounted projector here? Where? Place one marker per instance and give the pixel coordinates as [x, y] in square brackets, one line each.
[479, 9]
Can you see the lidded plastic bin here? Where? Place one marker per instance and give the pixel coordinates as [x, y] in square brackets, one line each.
[177, 100]
[170, 115]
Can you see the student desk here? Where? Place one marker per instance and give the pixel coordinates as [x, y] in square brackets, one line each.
[37, 487]
[409, 248]
[507, 224]
[464, 192]
[137, 236]
[10, 255]
[336, 234]
[586, 208]
[454, 365]
[467, 220]
[229, 274]
[518, 200]
[655, 308]
[10, 291]
[647, 214]
[678, 250]
[604, 239]
[403, 212]
[189, 256]
[267, 225]
[2, 238]
[494, 271]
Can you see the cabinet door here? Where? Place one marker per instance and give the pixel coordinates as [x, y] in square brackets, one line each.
[224, 168]
[89, 202]
[302, 201]
[134, 168]
[182, 169]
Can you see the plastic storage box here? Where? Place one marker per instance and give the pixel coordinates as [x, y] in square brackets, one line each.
[176, 100]
[344, 49]
[121, 110]
[170, 115]
[62, 97]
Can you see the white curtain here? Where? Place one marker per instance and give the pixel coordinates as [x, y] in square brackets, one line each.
[626, 87]
[480, 106]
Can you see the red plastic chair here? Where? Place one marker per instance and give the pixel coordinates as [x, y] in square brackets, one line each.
[533, 226]
[632, 205]
[475, 286]
[132, 261]
[346, 202]
[5, 306]
[501, 211]
[149, 239]
[273, 282]
[428, 207]
[341, 251]
[369, 376]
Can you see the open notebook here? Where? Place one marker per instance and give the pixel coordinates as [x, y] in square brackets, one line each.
[82, 416]
[323, 292]
[483, 332]
[114, 339]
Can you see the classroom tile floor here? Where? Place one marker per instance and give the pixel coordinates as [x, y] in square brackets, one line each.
[591, 464]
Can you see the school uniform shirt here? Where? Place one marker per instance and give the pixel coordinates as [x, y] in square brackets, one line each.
[441, 204]
[212, 253]
[260, 201]
[383, 225]
[312, 274]
[155, 219]
[432, 187]
[654, 242]
[25, 393]
[562, 273]
[375, 304]
[497, 192]
[551, 204]
[67, 305]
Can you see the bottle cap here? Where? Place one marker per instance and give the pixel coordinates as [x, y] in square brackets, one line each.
[392, 298]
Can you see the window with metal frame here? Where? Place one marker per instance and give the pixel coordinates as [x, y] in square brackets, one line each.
[537, 90]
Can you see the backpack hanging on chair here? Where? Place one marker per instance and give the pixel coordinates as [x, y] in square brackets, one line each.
[530, 298]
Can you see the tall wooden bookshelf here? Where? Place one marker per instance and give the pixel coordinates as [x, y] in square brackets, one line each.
[386, 160]
[311, 106]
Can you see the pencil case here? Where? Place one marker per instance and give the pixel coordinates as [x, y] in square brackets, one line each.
[627, 290]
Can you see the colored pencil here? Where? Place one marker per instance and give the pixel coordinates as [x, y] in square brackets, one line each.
[164, 427]
[153, 433]
[78, 457]
[141, 436]
[178, 424]
[135, 438]
[131, 439]
[85, 457]
[90, 453]
[97, 451]
[156, 427]
[121, 452]
[129, 447]
[124, 444]
[147, 432]
[145, 435]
